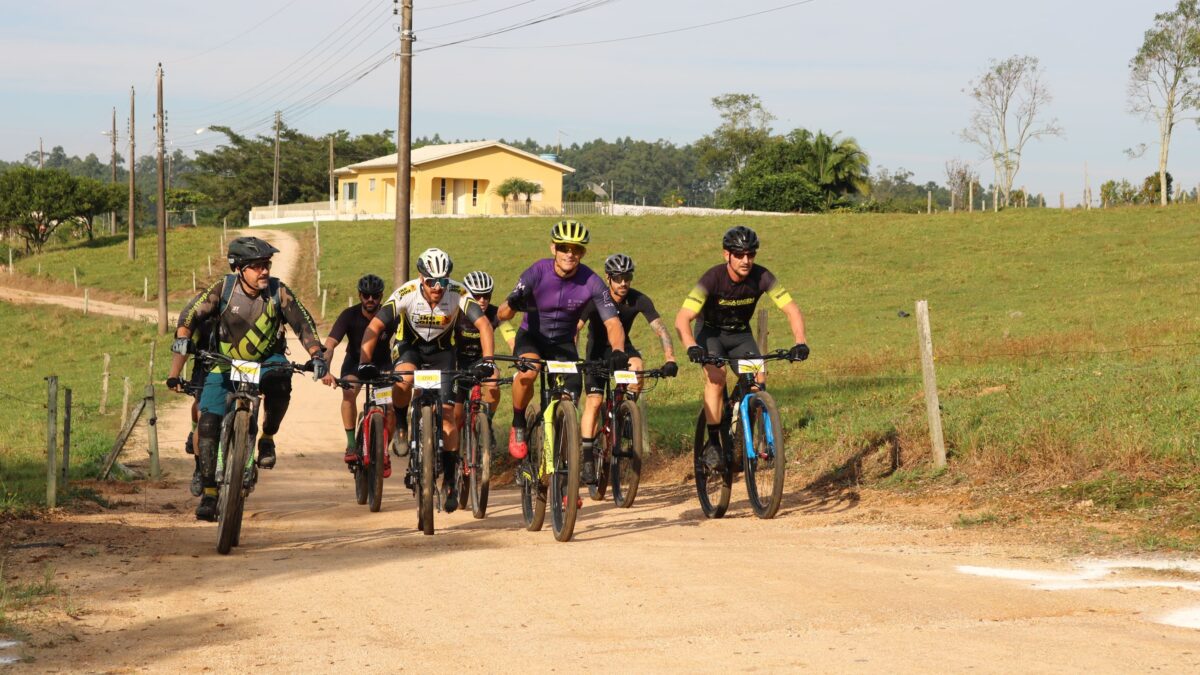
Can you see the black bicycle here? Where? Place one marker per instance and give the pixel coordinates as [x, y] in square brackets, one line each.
[372, 438]
[618, 448]
[751, 439]
[473, 475]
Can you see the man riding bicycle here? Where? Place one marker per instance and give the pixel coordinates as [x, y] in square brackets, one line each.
[351, 324]
[422, 314]
[618, 272]
[553, 292]
[251, 307]
[468, 346]
[724, 300]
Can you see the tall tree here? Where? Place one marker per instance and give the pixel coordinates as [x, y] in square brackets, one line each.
[1163, 77]
[745, 129]
[1010, 98]
[34, 203]
[837, 166]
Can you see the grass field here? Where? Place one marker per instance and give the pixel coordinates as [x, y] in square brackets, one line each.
[44, 340]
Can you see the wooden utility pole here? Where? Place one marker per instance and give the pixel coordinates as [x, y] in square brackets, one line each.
[112, 215]
[332, 196]
[160, 129]
[404, 144]
[132, 189]
[275, 182]
[41, 154]
[971, 197]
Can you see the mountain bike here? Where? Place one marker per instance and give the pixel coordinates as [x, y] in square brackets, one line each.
[237, 473]
[372, 438]
[751, 439]
[473, 474]
[618, 448]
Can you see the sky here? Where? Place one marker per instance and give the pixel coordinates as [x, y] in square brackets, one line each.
[889, 73]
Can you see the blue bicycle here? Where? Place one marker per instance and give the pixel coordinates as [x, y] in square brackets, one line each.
[751, 439]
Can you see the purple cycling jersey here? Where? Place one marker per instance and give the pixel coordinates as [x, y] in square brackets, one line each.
[553, 305]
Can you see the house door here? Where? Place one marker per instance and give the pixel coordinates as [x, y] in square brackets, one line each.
[462, 196]
[389, 205]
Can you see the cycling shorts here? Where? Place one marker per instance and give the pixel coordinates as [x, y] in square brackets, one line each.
[422, 355]
[595, 384]
[726, 344]
[530, 343]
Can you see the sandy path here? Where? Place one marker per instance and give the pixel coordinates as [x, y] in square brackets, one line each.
[322, 584]
[18, 296]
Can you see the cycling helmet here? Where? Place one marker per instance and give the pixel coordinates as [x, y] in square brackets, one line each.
[569, 232]
[478, 282]
[245, 250]
[370, 285]
[434, 262]
[618, 263]
[740, 238]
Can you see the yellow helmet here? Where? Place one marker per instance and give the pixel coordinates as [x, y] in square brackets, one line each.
[569, 232]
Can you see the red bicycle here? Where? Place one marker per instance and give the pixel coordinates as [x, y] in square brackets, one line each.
[474, 471]
[372, 439]
[618, 448]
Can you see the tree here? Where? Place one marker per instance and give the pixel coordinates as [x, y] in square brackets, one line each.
[1119, 193]
[959, 177]
[1009, 101]
[1153, 188]
[515, 187]
[815, 172]
[745, 129]
[837, 167]
[94, 197]
[1163, 82]
[34, 203]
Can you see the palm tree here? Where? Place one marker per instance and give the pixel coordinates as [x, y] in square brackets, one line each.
[515, 187]
[838, 167]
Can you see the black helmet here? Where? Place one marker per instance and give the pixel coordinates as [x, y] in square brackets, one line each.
[740, 238]
[370, 285]
[245, 250]
[618, 263]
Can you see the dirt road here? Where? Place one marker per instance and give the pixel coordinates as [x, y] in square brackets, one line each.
[321, 584]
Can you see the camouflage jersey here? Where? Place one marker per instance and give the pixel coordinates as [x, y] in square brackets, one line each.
[251, 328]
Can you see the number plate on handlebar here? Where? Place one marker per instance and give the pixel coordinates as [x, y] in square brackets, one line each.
[750, 366]
[567, 367]
[245, 371]
[383, 396]
[428, 379]
[625, 377]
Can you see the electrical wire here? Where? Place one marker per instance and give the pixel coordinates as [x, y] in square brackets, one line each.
[571, 10]
[210, 50]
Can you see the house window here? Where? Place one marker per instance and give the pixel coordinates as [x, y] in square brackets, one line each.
[371, 185]
[474, 193]
[350, 191]
[443, 192]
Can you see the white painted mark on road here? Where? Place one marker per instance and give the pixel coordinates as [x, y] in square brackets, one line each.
[6, 660]
[1094, 575]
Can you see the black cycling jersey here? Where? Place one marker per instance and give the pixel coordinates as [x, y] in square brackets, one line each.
[728, 305]
[635, 303]
[467, 341]
[351, 325]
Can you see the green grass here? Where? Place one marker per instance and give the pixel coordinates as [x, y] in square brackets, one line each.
[44, 340]
[17, 596]
[1034, 315]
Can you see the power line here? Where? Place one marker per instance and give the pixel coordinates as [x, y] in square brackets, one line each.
[576, 8]
[210, 50]
[477, 16]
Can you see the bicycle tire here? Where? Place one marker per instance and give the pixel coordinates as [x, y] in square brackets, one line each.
[230, 501]
[712, 487]
[768, 467]
[533, 490]
[428, 461]
[360, 474]
[481, 465]
[627, 454]
[600, 456]
[564, 483]
[377, 448]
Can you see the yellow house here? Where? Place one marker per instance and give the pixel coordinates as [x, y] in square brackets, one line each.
[453, 179]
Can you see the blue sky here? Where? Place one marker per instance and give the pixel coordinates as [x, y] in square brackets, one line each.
[890, 74]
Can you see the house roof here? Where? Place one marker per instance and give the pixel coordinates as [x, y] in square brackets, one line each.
[432, 153]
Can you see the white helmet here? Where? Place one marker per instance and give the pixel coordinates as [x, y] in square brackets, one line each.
[478, 282]
[434, 263]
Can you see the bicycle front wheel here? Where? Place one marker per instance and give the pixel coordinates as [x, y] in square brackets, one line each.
[564, 483]
[533, 490]
[626, 461]
[229, 503]
[360, 471]
[428, 455]
[600, 456]
[375, 458]
[480, 453]
[712, 486]
[765, 470]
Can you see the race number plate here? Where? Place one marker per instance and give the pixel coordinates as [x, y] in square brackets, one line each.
[562, 367]
[383, 396]
[751, 366]
[246, 371]
[428, 379]
[625, 377]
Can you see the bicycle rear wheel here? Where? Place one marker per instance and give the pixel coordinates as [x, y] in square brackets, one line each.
[712, 487]
[765, 471]
[375, 458]
[229, 503]
[600, 455]
[427, 454]
[481, 464]
[627, 454]
[533, 489]
[564, 482]
[360, 472]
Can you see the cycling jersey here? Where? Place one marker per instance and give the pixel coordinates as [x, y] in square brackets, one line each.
[423, 322]
[249, 327]
[729, 305]
[628, 309]
[351, 324]
[553, 304]
[467, 341]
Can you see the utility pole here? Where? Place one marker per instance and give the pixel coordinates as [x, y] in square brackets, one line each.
[332, 203]
[41, 155]
[132, 189]
[275, 183]
[404, 143]
[161, 128]
[112, 215]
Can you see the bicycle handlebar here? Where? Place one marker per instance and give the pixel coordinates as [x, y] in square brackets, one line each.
[777, 355]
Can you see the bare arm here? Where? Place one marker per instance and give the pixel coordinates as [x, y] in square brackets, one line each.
[683, 326]
[504, 312]
[796, 321]
[661, 331]
[487, 337]
[370, 337]
[616, 333]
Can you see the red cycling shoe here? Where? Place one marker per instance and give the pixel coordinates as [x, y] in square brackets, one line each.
[517, 447]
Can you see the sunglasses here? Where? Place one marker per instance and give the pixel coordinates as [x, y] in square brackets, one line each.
[571, 249]
[260, 266]
[621, 278]
[371, 296]
[436, 282]
[744, 254]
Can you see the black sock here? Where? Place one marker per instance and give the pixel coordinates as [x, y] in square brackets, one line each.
[401, 417]
[714, 433]
[518, 418]
[588, 445]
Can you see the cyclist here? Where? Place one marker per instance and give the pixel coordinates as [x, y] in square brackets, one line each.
[469, 350]
[351, 324]
[422, 314]
[552, 292]
[618, 272]
[724, 300]
[251, 307]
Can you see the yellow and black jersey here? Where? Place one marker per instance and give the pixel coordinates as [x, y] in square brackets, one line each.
[729, 305]
[250, 328]
[412, 317]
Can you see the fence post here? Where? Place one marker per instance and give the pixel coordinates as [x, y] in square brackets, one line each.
[125, 404]
[932, 405]
[152, 434]
[318, 282]
[317, 234]
[145, 289]
[324, 297]
[153, 347]
[971, 197]
[51, 441]
[928, 201]
[104, 385]
[85, 301]
[66, 460]
[210, 266]
[193, 281]
[75, 277]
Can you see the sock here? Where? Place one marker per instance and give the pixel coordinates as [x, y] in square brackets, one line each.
[714, 433]
[519, 418]
[267, 437]
[401, 417]
[588, 445]
[350, 439]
